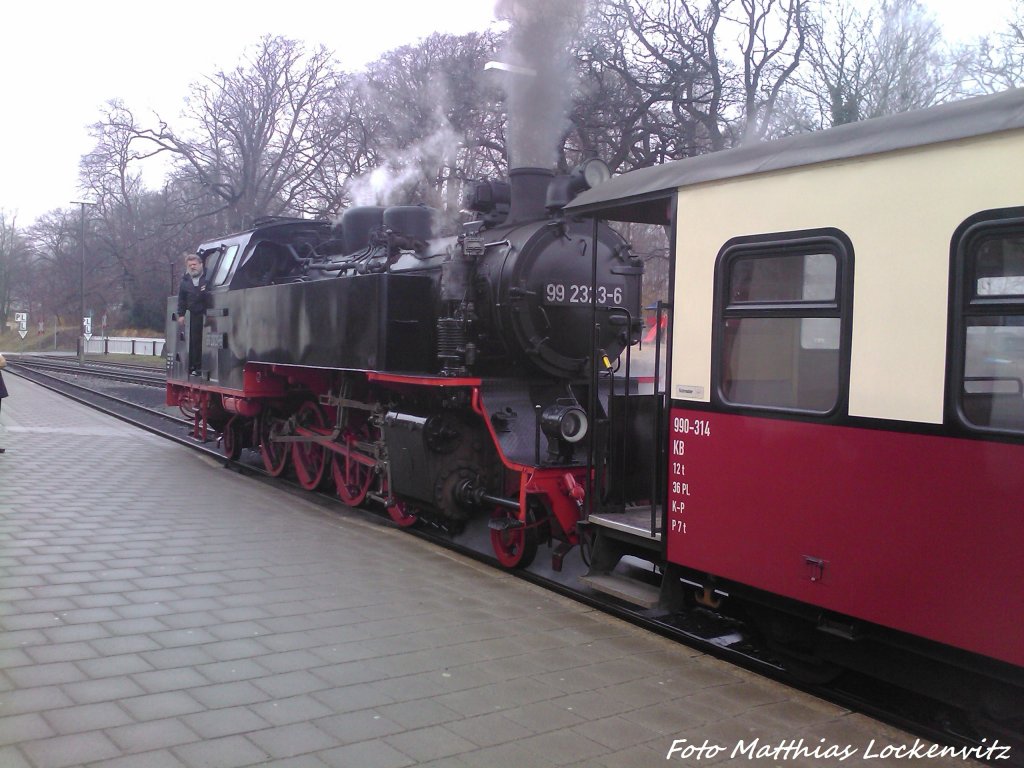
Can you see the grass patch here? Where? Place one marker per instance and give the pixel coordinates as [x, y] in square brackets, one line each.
[150, 360]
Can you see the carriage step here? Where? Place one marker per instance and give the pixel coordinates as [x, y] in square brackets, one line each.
[635, 521]
[626, 589]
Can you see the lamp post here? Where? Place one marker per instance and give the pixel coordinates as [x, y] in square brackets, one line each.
[81, 287]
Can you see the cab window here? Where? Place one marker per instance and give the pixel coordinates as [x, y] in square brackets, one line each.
[224, 266]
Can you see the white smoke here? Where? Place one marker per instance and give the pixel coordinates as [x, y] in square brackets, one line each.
[539, 37]
[404, 170]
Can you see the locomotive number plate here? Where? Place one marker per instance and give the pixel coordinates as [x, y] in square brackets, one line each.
[568, 294]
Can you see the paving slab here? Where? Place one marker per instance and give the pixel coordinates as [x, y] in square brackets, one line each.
[158, 609]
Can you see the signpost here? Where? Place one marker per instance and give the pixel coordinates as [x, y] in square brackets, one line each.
[86, 322]
[21, 318]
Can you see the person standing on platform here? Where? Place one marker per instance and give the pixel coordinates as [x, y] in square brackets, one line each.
[192, 298]
[3, 387]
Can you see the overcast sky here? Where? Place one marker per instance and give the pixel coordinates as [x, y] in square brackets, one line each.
[63, 61]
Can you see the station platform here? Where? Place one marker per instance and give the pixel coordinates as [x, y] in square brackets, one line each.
[160, 610]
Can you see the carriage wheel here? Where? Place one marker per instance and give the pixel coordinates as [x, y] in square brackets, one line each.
[515, 546]
[352, 478]
[310, 459]
[275, 455]
[402, 514]
[232, 438]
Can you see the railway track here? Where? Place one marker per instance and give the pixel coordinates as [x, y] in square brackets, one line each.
[140, 375]
[703, 632]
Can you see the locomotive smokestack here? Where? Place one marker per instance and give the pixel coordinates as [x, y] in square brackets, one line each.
[529, 193]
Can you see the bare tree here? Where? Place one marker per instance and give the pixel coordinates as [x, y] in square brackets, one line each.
[15, 252]
[839, 65]
[430, 119]
[615, 115]
[259, 133]
[56, 265]
[666, 52]
[998, 63]
[866, 62]
[704, 73]
[772, 43]
[137, 233]
[912, 68]
[350, 151]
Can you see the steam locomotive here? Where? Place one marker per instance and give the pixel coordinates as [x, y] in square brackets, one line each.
[440, 376]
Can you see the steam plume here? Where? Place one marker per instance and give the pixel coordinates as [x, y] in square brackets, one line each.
[406, 169]
[538, 105]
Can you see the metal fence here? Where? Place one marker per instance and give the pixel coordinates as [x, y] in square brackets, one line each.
[123, 345]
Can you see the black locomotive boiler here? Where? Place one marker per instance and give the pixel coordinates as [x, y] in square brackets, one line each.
[441, 376]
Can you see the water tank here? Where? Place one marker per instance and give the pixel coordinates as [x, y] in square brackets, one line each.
[357, 224]
[414, 221]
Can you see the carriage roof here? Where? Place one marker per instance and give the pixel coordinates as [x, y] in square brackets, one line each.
[644, 195]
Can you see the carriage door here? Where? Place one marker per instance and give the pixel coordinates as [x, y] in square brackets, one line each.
[626, 516]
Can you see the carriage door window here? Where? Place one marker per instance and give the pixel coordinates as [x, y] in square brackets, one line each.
[989, 262]
[780, 322]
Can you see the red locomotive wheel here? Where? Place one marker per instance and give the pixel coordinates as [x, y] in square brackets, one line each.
[515, 546]
[352, 478]
[232, 438]
[310, 459]
[275, 455]
[401, 514]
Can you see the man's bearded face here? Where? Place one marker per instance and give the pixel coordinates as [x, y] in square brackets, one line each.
[194, 267]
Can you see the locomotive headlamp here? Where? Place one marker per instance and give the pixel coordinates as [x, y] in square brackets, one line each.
[586, 175]
[564, 422]
[595, 171]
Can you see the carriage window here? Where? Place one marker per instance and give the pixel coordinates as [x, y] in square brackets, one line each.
[809, 277]
[990, 265]
[224, 267]
[780, 323]
[999, 266]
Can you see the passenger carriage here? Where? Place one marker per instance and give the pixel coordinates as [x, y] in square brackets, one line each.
[843, 442]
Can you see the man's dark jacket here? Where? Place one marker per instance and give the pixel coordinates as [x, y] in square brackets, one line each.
[192, 297]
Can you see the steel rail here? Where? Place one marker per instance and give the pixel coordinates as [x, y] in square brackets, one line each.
[130, 376]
